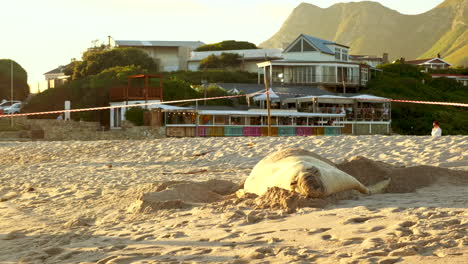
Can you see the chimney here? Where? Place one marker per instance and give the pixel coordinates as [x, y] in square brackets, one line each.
[385, 58]
[438, 55]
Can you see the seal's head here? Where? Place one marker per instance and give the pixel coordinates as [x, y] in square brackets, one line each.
[308, 183]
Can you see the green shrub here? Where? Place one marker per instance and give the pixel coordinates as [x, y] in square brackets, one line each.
[227, 45]
[135, 115]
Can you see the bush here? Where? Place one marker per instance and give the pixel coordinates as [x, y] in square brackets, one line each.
[135, 115]
[223, 61]
[227, 45]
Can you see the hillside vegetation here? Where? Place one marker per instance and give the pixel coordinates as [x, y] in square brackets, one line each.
[370, 28]
[404, 81]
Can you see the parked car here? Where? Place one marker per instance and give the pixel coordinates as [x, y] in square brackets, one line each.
[8, 104]
[13, 109]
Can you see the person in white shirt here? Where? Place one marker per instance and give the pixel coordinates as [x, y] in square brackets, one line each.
[436, 131]
[342, 110]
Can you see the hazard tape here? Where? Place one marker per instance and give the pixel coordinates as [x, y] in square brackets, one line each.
[215, 98]
[120, 106]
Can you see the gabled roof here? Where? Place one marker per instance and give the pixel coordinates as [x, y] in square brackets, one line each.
[57, 70]
[318, 43]
[425, 61]
[140, 43]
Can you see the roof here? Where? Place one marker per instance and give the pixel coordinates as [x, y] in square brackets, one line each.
[292, 62]
[262, 112]
[57, 70]
[449, 75]
[262, 97]
[260, 54]
[170, 107]
[321, 44]
[424, 61]
[140, 43]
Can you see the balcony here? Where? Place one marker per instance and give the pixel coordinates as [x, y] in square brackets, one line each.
[139, 87]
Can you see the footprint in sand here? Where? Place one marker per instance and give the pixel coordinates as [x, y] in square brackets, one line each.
[318, 231]
[360, 220]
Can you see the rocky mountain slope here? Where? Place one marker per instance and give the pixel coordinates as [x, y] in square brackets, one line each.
[371, 28]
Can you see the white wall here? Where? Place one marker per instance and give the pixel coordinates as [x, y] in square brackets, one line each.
[309, 56]
[124, 109]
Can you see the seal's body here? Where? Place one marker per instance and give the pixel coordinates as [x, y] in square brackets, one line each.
[300, 171]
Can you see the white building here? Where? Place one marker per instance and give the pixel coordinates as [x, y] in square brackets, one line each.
[56, 77]
[432, 63]
[168, 55]
[312, 61]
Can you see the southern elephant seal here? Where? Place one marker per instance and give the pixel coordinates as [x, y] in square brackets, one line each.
[300, 171]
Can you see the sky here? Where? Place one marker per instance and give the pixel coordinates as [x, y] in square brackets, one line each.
[41, 35]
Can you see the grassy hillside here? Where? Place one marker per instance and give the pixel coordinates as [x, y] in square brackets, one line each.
[403, 81]
[370, 28]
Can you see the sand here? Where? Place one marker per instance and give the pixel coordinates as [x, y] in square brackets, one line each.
[153, 202]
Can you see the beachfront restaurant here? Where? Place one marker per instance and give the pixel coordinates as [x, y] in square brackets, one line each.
[220, 123]
[328, 115]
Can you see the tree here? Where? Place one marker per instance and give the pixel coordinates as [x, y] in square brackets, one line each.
[223, 61]
[97, 60]
[20, 81]
[227, 45]
[405, 81]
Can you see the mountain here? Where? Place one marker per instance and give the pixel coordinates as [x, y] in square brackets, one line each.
[371, 28]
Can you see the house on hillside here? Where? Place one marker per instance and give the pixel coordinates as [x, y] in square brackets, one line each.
[436, 63]
[169, 55]
[463, 79]
[316, 62]
[249, 57]
[56, 77]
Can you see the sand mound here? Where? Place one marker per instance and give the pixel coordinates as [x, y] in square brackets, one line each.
[277, 198]
[179, 194]
[402, 180]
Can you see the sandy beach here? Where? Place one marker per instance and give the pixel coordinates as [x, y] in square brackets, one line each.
[86, 202]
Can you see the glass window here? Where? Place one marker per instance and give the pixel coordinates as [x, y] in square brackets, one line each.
[255, 121]
[285, 121]
[221, 120]
[237, 120]
[329, 74]
[307, 47]
[206, 119]
[297, 47]
[337, 53]
[344, 55]
[301, 121]
[273, 121]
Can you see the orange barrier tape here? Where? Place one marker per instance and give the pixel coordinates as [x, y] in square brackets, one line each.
[120, 106]
[214, 98]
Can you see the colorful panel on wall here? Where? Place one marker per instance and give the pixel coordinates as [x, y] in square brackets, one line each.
[252, 131]
[304, 131]
[332, 131]
[274, 131]
[233, 131]
[286, 131]
[361, 129]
